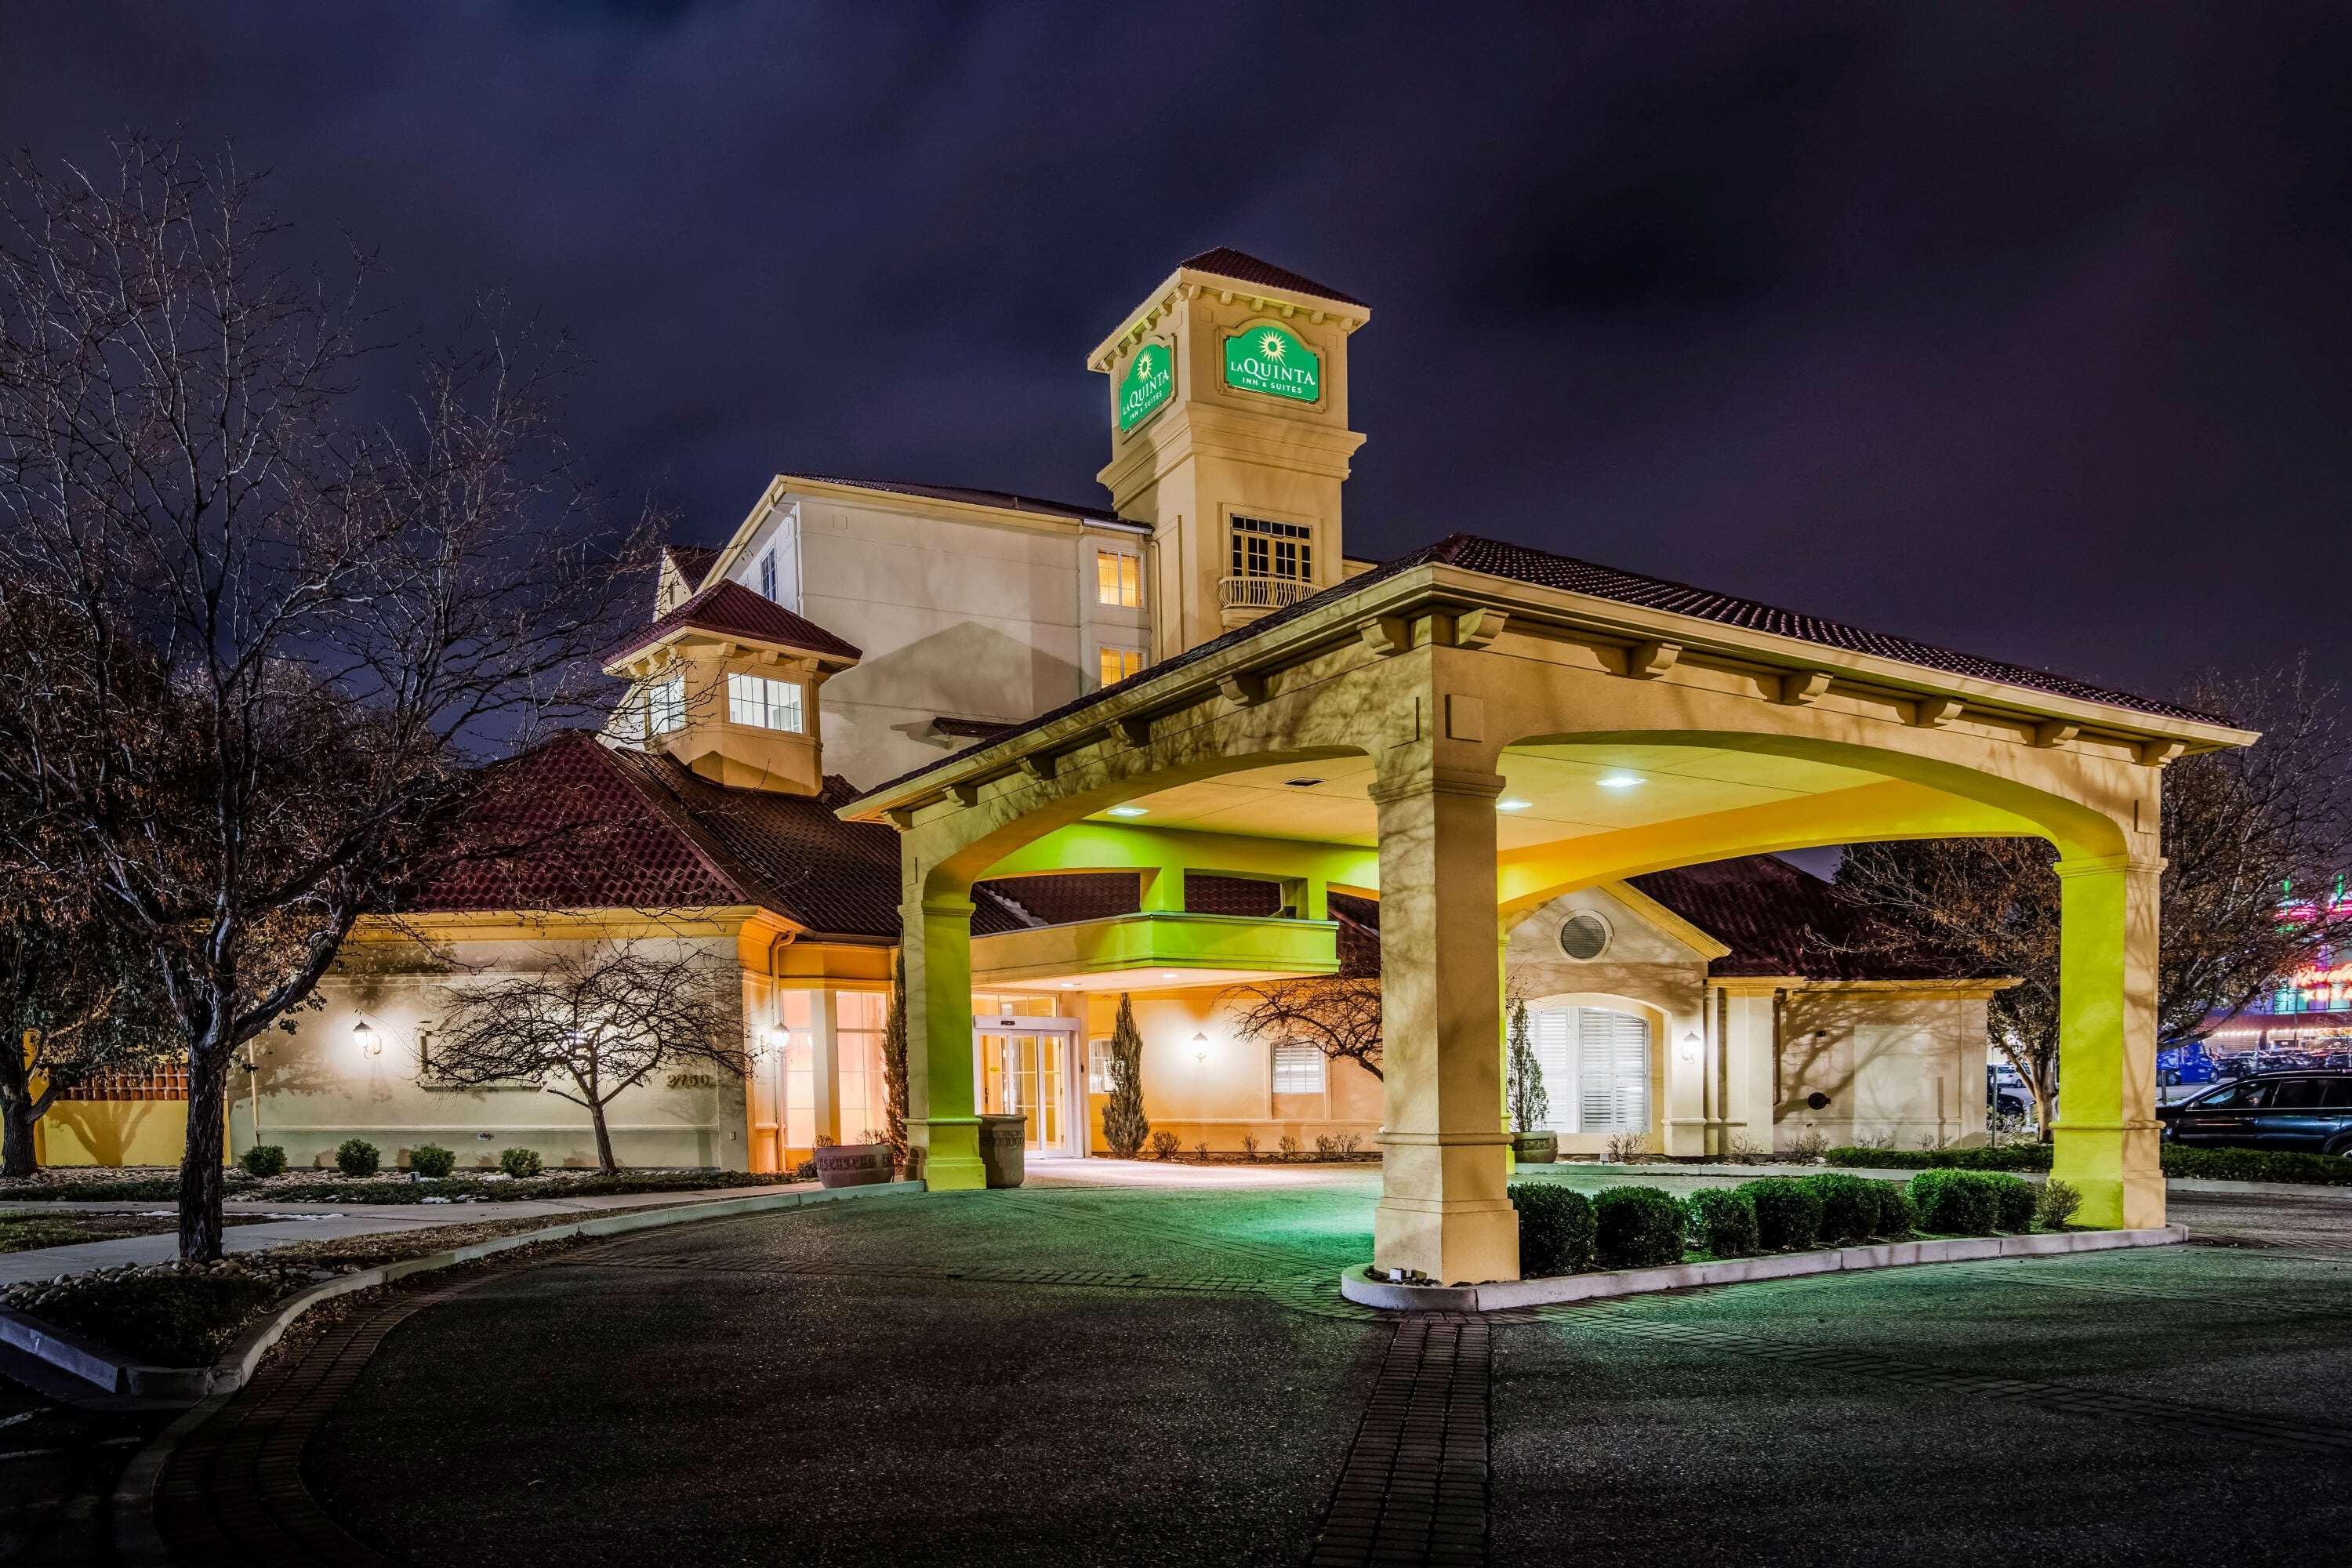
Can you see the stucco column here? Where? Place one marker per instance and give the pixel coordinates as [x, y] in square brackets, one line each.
[2107, 1131]
[944, 1132]
[1444, 1210]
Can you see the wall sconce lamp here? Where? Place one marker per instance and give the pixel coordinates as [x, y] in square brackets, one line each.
[365, 1037]
[1200, 1048]
[1690, 1047]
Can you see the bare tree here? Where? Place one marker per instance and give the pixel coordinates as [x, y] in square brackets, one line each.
[1337, 1014]
[344, 618]
[593, 1025]
[2255, 842]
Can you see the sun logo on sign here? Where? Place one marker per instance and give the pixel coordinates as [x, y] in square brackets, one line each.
[1143, 363]
[1270, 345]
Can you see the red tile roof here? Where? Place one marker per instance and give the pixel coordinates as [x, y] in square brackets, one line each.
[1243, 268]
[1777, 920]
[693, 562]
[729, 609]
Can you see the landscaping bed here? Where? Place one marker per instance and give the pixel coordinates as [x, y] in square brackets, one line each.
[162, 1185]
[167, 1314]
[32, 1232]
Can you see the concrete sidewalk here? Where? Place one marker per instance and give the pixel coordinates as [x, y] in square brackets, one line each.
[320, 1222]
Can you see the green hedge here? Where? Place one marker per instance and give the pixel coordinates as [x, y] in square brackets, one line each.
[2007, 1157]
[1787, 1213]
[2257, 1165]
[1722, 1222]
[1637, 1227]
[2211, 1164]
[1556, 1228]
[1849, 1208]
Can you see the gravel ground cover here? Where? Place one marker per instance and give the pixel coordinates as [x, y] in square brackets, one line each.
[667, 1400]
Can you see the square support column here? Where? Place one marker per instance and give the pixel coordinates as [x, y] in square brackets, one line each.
[1444, 1209]
[2106, 1133]
[942, 1129]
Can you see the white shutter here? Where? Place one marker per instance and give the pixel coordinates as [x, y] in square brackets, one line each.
[1553, 1037]
[1612, 1071]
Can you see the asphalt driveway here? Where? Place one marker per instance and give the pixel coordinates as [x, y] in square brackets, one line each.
[1154, 1369]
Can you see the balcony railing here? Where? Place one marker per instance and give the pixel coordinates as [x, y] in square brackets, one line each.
[1262, 592]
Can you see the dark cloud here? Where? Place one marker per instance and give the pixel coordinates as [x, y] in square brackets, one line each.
[2025, 328]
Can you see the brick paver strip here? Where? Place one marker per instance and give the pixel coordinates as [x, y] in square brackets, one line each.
[1414, 1487]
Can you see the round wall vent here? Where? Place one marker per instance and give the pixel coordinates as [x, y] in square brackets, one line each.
[1583, 935]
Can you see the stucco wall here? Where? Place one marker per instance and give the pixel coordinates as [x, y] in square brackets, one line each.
[1904, 1066]
[318, 1087]
[1219, 1092]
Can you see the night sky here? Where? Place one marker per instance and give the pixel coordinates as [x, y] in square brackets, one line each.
[2024, 329]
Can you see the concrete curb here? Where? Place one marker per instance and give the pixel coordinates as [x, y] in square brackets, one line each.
[1358, 1286]
[94, 1364]
[1905, 1173]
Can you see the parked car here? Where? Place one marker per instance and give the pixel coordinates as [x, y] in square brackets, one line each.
[2307, 1110]
[2184, 1064]
[2006, 1094]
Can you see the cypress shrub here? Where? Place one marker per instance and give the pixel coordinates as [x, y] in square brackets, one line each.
[1787, 1213]
[1849, 1208]
[1722, 1222]
[1124, 1127]
[1637, 1227]
[356, 1157]
[1956, 1203]
[2013, 1200]
[1556, 1228]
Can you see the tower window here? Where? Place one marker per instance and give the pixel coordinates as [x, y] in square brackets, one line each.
[666, 706]
[1119, 579]
[1268, 549]
[768, 575]
[764, 703]
[1114, 665]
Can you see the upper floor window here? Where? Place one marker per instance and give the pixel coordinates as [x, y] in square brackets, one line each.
[1119, 579]
[768, 575]
[1264, 549]
[666, 706]
[764, 703]
[1114, 665]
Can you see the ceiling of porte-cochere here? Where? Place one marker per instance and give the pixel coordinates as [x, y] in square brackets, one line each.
[1552, 792]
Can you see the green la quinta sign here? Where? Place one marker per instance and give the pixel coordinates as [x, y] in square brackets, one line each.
[1150, 377]
[1271, 360]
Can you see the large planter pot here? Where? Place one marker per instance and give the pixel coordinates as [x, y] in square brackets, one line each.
[853, 1164]
[1536, 1148]
[1000, 1137]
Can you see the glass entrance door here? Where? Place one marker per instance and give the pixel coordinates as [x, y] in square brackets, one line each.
[1025, 1071]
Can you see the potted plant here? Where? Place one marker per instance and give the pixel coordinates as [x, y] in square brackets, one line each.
[1532, 1141]
[1000, 1152]
[862, 1164]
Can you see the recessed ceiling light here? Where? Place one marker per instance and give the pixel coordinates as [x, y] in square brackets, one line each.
[1300, 783]
[1168, 975]
[1512, 803]
[1126, 811]
[1619, 781]
[1070, 986]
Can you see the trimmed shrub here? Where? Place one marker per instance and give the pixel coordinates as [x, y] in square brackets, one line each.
[2056, 1206]
[1637, 1227]
[1722, 1222]
[1896, 1216]
[521, 1162]
[432, 1160]
[1849, 1209]
[2014, 1202]
[1556, 1228]
[1956, 1203]
[357, 1157]
[1787, 1213]
[2007, 1157]
[2257, 1165]
[264, 1160]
